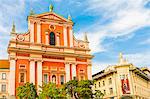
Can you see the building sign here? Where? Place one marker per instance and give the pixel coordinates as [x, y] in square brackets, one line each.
[125, 85]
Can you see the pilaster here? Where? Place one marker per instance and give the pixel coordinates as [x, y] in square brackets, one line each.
[39, 74]
[67, 69]
[31, 32]
[38, 32]
[71, 37]
[73, 70]
[65, 35]
[32, 71]
[11, 84]
[89, 71]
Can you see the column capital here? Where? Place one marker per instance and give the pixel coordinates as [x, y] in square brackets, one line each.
[12, 58]
[39, 60]
[39, 22]
[89, 64]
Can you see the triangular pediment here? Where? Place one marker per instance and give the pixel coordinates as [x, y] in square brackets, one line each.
[52, 16]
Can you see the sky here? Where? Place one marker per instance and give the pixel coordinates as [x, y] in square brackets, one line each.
[112, 26]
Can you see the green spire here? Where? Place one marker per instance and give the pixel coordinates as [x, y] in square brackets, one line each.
[31, 12]
[13, 27]
[51, 7]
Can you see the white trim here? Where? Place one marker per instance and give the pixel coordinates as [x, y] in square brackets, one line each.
[38, 32]
[47, 77]
[11, 84]
[89, 72]
[71, 37]
[73, 71]
[39, 75]
[32, 72]
[65, 36]
[56, 78]
[31, 32]
[67, 69]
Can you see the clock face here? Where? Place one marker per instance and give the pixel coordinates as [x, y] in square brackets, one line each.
[20, 38]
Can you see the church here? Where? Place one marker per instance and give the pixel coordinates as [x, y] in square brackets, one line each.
[47, 52]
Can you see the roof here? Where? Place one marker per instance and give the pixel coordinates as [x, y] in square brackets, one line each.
[4, 64]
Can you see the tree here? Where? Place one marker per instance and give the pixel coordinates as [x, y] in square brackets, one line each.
[27, 91]
[50, 91]
[98, 95]
[79, 89]
[70, 88]
[84, 89]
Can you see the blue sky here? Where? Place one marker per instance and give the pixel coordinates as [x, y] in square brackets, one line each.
[113, 26]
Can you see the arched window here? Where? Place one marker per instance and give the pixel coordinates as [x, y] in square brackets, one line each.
[52, 38]
[53, 79]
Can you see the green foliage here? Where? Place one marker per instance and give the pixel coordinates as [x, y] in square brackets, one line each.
[98, 94]
[71, 87]
[49, 90]
[79, 89]
[27, 91]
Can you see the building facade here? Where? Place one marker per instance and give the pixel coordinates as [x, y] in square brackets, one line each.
[48, 51]
[123, 81]
[4, 78]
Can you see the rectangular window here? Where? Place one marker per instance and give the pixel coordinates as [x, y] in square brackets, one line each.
[95, 85]
[3, 76]
[111, 90]
[3, 88]
[62, 79]
[104, 92]
[99, 84]
[110, 81]
[22, 77]
[103, 83]
[22, 67]
[45, 78]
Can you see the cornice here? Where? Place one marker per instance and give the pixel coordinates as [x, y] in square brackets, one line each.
[33, 51]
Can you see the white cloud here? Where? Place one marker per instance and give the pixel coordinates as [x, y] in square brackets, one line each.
[126, 15]
[9, 10]
[139, 59]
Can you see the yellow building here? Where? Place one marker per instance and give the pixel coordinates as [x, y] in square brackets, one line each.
[123, 81]
[4, 75]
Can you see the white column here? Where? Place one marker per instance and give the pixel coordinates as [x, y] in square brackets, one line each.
[73, 71]
[32, 71]
[71, 37]
[89, 72]
[67, 69]
[32, 32]
[47, 40]
[38, 32]
[39, 74]
[65, 36]
[11, 85]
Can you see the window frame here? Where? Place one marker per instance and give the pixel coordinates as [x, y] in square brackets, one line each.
[61, 79]
[4, 78]
[2, 86]
[52, 39]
